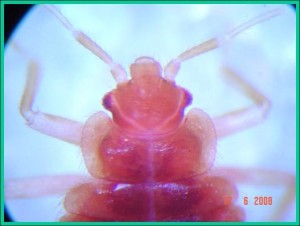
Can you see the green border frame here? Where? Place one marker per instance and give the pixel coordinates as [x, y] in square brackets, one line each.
[2, 222]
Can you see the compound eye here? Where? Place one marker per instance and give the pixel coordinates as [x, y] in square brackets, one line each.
[107, 101]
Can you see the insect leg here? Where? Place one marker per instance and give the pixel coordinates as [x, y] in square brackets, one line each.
[264, 177]
[40, 186]
[235, 121]
[117, 70]
[172, 68]
[51, 125]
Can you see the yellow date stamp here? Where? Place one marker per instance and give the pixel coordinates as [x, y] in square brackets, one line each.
[256, 200]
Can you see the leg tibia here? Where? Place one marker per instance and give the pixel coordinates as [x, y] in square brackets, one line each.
[235, 121]
[55, 126]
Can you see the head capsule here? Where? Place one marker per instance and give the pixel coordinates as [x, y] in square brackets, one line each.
[147, 104]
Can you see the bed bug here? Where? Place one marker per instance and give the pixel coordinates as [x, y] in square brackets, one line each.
[102, 80]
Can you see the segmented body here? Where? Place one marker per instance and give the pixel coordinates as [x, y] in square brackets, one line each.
[151, 160]
[61, 158]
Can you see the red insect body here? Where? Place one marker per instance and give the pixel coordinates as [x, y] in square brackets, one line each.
[151, 162]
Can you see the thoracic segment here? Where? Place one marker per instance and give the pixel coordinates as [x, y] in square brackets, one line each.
[120, 157]
[133, 160]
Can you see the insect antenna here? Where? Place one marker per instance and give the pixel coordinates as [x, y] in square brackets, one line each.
[172, 68]
[117, 71]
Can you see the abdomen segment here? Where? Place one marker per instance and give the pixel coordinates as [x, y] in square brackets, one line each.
[195, 199]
